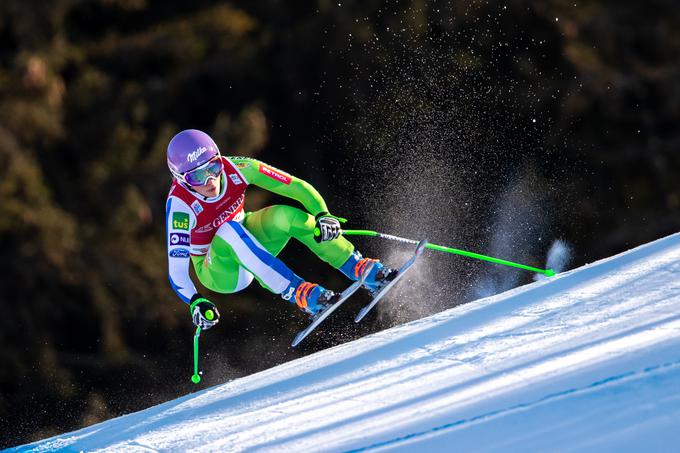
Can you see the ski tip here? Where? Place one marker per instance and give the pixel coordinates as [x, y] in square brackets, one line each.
[298, 338]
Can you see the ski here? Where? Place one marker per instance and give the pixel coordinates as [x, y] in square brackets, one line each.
[379, 295]
[319, 317]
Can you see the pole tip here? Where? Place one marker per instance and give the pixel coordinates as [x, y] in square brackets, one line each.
[195, 378]
[549, 272]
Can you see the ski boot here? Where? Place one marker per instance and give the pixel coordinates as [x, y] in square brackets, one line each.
[312, 298]
[379, 276]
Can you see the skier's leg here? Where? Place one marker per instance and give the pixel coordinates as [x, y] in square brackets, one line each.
[274, 225]
[220, 271]
[234, 244]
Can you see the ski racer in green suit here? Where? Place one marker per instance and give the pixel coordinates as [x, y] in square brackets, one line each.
[207, 227]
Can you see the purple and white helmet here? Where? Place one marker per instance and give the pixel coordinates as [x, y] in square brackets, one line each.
[190, 149]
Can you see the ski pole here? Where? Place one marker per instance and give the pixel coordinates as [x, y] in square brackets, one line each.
[196, 378]
[441, 248]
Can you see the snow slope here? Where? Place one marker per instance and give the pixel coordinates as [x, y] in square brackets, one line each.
[587, 360]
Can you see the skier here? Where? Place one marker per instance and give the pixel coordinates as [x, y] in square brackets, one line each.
[228, 247]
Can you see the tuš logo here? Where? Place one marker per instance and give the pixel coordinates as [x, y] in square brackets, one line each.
[180, 221]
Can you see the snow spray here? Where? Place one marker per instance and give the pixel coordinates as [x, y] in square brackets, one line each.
[559, 256]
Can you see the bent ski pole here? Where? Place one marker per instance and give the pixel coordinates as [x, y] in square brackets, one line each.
[441, 248]
[196, 378]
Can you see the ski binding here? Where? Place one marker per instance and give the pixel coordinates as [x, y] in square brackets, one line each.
[382, 291]
[319, 317]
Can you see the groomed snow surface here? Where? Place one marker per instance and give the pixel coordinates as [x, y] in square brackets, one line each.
[585, 361]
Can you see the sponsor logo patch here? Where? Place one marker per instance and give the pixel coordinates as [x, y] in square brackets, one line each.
[179, 239]
[193, 156]
[180, 221]
[203, 251]
[204, 228]
[196, 207]
[228, 212]
[275, 174]
[235, 208]
[235, 179]
[244, 164]
[289, 294]
[179, 253]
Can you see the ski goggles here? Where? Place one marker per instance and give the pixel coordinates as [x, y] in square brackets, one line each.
[200, 175]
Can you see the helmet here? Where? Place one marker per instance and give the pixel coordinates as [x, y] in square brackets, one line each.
[190, 149]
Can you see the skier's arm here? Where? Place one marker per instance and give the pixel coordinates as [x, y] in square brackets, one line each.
[281, 183]
[179, 219]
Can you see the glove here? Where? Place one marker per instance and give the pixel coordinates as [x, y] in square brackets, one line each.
[327, 227]
[203, 312]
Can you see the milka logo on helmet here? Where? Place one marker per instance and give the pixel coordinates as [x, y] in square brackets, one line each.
[193, 157]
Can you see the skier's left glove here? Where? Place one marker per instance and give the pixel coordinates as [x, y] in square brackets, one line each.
[327, 227]
[203, 312]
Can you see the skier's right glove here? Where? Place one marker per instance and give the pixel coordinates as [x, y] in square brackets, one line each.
[327, 227]
[203, 312]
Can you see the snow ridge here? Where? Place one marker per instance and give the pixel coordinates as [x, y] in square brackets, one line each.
[587, 360]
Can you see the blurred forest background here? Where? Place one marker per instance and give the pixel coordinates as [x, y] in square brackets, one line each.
[496, 126]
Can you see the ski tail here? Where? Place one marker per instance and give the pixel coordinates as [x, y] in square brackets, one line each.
[319, 317]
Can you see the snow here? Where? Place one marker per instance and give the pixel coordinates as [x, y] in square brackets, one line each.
[588, 360]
